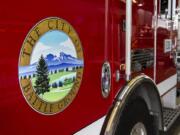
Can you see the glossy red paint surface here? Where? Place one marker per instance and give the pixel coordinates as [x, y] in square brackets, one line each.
[99, 26]
[143, 38]
[88, 19]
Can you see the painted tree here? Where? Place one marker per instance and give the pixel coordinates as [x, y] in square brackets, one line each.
[42, 80]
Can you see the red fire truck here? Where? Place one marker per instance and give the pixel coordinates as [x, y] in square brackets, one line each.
[89, 67]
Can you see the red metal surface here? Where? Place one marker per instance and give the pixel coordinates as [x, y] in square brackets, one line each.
[99, 26]
[88, 19]
[143, 37]
[165, 66]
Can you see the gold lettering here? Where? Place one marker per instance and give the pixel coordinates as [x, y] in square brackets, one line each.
[37, 32]
[31, 41]
[40, 104]
[45, 108]
[69, 29]
[30, 96]
[79, 75]
[34, 102]
[51, 24]
[56, 24]
[66, 101]
[27, 87]
[79, 50]
[25, 53]
[76, 41]
[62, 25]
[55, 107]
[60, 105]
[48, 108]
[73, 92]
[42, 107]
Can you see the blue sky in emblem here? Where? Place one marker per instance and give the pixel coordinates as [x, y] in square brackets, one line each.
[53, 38]
[53, 42]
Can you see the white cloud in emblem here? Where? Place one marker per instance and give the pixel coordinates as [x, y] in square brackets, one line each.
[68, 48]
[38, 50]
[42, 49]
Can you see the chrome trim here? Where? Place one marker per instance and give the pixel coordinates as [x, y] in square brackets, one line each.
[129, 87]
[106, 74]
[128, 38]
[118, 76]
[155, 37]
[178, 43]
[139, 129]
[111, 123]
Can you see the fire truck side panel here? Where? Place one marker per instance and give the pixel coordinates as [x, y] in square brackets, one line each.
[118, 35]
[157, 64]
[143, 37]
[100, 26]
[88, 19]
[165, 66]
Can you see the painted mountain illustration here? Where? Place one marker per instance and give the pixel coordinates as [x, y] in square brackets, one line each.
[61, 62]
[62, 59]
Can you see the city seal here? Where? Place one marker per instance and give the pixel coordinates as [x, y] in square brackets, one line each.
[51, 66]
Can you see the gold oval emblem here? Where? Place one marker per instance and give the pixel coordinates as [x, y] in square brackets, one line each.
[51, 66]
